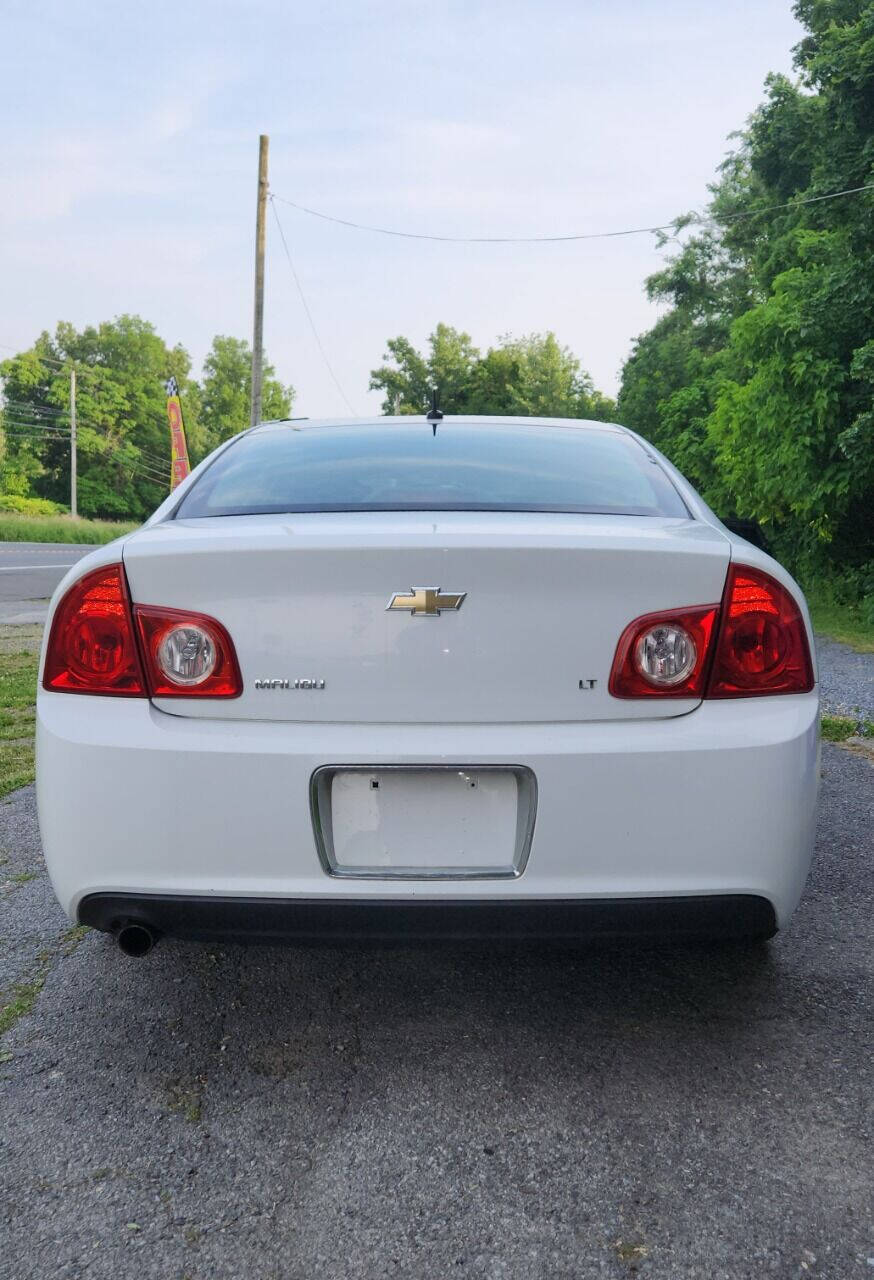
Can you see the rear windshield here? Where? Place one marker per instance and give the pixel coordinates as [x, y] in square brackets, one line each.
[463, 467]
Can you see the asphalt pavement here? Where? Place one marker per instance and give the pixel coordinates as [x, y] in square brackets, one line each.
[29, 573]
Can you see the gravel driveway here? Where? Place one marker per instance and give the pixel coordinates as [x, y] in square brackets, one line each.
[846, 680]
[298, 1113]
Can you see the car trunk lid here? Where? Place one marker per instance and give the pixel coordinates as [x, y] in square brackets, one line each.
[545, 599]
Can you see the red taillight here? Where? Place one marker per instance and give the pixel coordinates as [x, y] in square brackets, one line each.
[762, 644]
[664, 655]
[91, 646]
[187, 655]
[754, 643]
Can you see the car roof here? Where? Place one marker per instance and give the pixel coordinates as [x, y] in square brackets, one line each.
[473, 420]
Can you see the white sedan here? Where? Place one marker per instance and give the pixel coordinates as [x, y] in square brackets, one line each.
[468, 677]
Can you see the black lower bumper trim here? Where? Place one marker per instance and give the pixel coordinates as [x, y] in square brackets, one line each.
[353, 919]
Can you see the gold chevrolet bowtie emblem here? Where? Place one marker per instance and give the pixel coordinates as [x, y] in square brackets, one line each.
[426, 602]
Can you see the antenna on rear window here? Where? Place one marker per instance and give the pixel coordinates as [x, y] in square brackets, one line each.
[434, 415]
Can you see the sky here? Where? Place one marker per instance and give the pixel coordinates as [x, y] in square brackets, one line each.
[128, 164]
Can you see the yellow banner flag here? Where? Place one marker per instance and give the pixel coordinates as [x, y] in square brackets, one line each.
[179, 464]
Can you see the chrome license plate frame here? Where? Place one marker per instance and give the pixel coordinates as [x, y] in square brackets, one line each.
[469, 776]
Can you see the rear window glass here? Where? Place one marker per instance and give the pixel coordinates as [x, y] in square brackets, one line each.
[464, 467]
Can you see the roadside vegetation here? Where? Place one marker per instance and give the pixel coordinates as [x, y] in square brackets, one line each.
[60, 529]
[28, 519]
[840, 728]
[847, 621]
[123, 441]
[20, 998]
[758, 378]
[19, 650]
[533, 376]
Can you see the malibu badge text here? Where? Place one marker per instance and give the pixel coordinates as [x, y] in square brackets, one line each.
[289, 684]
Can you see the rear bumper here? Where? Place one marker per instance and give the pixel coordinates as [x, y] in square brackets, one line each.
[719, 802]
[345, 919]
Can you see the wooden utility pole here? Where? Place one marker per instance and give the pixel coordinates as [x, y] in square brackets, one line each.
[260, 238]
[73, 477]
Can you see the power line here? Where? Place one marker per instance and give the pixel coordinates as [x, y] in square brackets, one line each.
[55, 428]
[136, 470]
[146, 454]
[32, 433]
[33, 426]
[36, 406]
[39, 408]
[66, 365]
[700, 219]
[34, 415]
[160, 464]
[13, 427]
[140, 463]
[308, 312]
[156, 460]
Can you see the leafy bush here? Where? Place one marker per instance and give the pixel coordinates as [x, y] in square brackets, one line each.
[758, 381]
[30, 506]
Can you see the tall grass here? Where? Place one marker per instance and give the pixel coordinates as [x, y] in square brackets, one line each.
[848, 623]
[15, 528]
[19, 656]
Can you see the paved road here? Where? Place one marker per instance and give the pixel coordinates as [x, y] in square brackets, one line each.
[29, 572]
[227, 1112]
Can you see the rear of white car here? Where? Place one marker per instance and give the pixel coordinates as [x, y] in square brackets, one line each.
[420, 709]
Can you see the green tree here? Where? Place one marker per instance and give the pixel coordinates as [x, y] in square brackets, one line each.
[529, 376]
[408, 381]
[226, 389]
[123, 436]
[790, 397]
[29, 421]
[758, 380]
[123, 450]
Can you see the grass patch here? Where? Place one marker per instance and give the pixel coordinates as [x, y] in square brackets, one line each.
[15, 528]
[839, 728]
[17, 766]
[631, 1252]
[21, 998]
[843, 622]
[18, 999]
[75, 933]
[19, 658]
[72, 937]
[186, 1099]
